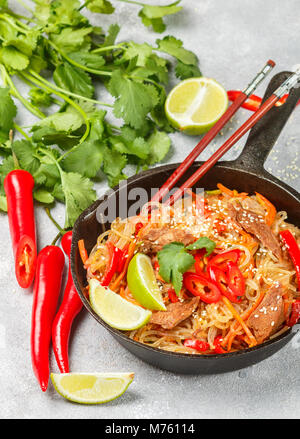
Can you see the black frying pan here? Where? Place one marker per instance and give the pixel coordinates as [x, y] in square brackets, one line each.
[246, 174]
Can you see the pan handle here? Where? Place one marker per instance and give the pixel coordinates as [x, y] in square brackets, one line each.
[264, 134]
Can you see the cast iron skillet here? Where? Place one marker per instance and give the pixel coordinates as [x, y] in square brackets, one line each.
[246, 174]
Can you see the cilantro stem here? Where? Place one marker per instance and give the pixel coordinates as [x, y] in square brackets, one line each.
[14, 91]
[59, 228]
[107, 48]
[18, 128]
[76, 64]
[13, 24]
[67, 92]
[132, 2]
[56, 239]
[35, 78]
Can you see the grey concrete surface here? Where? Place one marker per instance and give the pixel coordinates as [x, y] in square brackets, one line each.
[233, 39]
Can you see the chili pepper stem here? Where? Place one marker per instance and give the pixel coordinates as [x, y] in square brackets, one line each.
[59, 228]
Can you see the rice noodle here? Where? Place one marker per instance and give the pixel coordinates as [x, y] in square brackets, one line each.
[260, 267]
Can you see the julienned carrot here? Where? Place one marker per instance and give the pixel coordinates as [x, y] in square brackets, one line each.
[229, 192]
[240, 320]
[82, 251]
[270, 208]
[131, 249]
[244, 316]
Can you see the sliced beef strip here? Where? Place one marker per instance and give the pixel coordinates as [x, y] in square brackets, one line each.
[269, 316]
[155, 239]
[175, 314]
[256, 225]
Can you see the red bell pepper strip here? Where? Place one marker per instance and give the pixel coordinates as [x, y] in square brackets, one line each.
[68, 310]
[221, 260]
[173, 296]
[49, 270]
[122, 258]
[199, 345]
[293, 249]
[217, 344]
[221, 280]
[236, 280]
[114, 253]
[18, 185]
[200, 286]
[295, 313]
[253, 102]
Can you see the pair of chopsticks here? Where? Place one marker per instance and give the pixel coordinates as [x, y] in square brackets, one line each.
[283, 89]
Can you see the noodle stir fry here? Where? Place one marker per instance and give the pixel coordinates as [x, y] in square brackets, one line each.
[223, 266]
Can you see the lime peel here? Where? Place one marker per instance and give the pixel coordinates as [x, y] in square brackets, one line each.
[142, 283]
[91, 388]
[116, 311]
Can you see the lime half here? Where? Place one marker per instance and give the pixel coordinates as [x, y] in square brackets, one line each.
[91, 388]
[142, 283]
[116, 311]
[196, 104]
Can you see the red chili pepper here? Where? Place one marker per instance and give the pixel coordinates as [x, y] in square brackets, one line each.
[68, 310]
[254, 102]
[114, 253]
[173, 296]
[18, 187]
[221, 260]
[236, 280]
[217, 344]
[295, 313]
[220, 278]
[49, 270]
[200, 286]
[199, 345]
[293, 249]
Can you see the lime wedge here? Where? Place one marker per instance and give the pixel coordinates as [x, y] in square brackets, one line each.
[196, 104]
[116, 311]
[142, 283]
[91, 388]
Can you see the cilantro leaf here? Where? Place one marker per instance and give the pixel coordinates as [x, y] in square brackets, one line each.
[40, 98]
[159, 144]
[111, 35]
[86, 159]
[173, 262]
[134, 100]
[73, 79]
[185, 71]
[91, 60]
[153, 15]
[3, 203]
[113, 164]
[173, 47]
[25, 152]
[43, 196]
[8, 111]
[79, 194]
[203, 242]
[70, 40]
[100, 6]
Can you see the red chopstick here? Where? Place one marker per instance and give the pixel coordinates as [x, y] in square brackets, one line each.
[204, 142]
[275, 97]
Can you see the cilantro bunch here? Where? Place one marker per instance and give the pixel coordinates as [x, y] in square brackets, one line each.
[61, 56]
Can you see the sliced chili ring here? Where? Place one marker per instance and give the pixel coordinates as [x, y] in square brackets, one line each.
[236, 280]
[221, 260]
[25, 261]
[295, 313]
[202, 287]
[220, 278]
